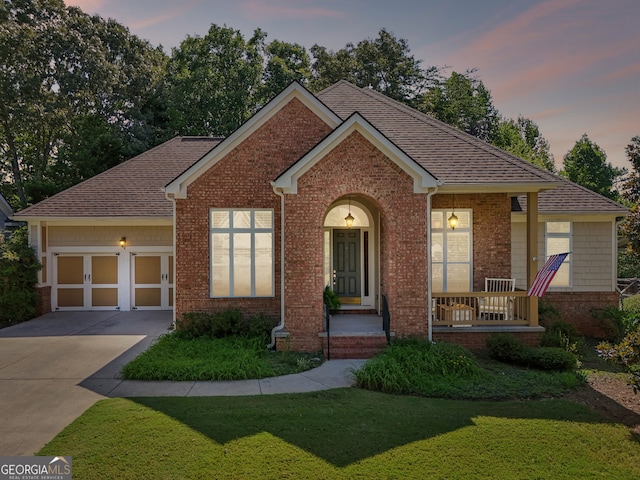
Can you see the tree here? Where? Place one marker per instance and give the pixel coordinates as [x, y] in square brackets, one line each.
[58, 64]
[214, 82]
[463, 101]
[586, 164]
[522, 138]
[384, 64]
[285, 62]
[631, 226]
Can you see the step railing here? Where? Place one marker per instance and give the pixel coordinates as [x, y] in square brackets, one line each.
[386, 319]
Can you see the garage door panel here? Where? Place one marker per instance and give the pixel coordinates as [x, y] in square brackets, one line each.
[70, 297]
[71, 270]
[104, 297]
[104, 270]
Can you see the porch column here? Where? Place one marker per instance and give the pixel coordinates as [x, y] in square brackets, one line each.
[532, 253]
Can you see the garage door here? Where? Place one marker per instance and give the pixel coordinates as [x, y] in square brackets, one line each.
[86, 282]
[152, 278]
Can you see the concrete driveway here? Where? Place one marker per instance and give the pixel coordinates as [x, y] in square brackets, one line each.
[56, 366]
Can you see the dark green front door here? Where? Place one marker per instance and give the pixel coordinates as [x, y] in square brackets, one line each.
[346, 265]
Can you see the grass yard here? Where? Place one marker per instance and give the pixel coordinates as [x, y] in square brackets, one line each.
[345, 433]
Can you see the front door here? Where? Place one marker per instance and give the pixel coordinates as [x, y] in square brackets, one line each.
[346, 265]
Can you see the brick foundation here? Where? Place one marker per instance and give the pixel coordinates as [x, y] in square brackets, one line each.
[576, 307]
[477, 341]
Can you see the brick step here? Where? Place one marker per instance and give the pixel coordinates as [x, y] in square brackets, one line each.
[353, 346]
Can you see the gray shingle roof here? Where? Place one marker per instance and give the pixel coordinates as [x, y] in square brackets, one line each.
[456, 157]
[131, 189]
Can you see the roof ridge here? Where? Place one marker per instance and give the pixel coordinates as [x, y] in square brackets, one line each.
[461, 135]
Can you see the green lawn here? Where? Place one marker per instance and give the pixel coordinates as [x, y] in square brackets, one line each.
[344, 433]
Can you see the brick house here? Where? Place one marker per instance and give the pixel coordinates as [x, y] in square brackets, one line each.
[257, 221]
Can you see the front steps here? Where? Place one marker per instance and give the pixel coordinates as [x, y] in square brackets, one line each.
[354, 345]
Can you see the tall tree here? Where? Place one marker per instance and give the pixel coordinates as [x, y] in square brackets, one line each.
[57, 65]
[522, 138]
[586, 164]
[384, 64]
[463, 101]
[631, 226]
[214, 82]
[285, 62]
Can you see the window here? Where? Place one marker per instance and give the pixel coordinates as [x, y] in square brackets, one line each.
[242, 253]
[558, 240]
[451, 252]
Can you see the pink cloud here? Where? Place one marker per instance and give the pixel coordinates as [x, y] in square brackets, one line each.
[166, 15]
[89, 6]
[259, 9]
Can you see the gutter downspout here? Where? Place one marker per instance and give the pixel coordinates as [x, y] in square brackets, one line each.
[172, 198]
[430, 266]
[280, 326]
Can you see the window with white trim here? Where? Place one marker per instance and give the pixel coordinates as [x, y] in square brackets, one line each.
[242, 262]
[558, 240]
[451, 252]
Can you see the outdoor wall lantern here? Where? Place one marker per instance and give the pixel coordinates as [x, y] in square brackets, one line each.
[349, 218]
[453, 219]
[123, 242]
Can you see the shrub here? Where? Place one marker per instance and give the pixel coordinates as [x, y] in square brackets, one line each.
[628, 264]
[551, 358]
[331, 298]
[563, 335]
[505, 347]
[548, 313]
[260, 326]
[212, 325]
[626, 353]
[612, 321]
[18, 278]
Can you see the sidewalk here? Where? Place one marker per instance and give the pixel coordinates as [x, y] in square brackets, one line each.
[331, 374]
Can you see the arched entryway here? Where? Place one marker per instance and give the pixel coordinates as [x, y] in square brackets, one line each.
[351, 253]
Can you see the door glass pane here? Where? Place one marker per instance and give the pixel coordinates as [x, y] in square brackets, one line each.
[558, 245]
[436, 219]
[70, 270]
[104, 270]
[264, 264]
[148, 269]
[558, 227]
[242, 264]
[437, 277]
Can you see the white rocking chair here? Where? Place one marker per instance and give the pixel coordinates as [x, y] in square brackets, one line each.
[497, 306]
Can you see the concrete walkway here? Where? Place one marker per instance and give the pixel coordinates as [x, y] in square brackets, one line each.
[56, 366]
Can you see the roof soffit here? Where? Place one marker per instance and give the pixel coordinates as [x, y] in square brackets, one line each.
[422, 179]
[178, 186]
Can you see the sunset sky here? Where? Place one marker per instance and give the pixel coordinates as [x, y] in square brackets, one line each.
[572, 66]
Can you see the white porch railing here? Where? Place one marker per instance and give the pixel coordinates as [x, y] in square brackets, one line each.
[480, 308]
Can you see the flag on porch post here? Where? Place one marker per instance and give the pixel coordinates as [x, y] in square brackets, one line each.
[544, 276]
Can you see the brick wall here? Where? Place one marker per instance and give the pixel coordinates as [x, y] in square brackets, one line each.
[576, 307]
[477, 341]
[240, 180]
[44, 300]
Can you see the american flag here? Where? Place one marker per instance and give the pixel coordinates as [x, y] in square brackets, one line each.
[544, 276]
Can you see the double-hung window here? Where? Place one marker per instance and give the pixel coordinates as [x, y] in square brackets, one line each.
[451, 259]
[242, 253]
[558, 240]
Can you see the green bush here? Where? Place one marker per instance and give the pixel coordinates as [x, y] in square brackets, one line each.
[548, 313]
[260, 326]
[628, 264]
[331, 298]
[612, 321]
[19, 268]
[626, 353]
[505, 347]
[212, 325]
[563, 335]
[551, 358]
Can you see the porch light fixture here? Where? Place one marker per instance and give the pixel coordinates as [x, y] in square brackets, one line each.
[349, 218]
[123, 242]
[453, 219]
